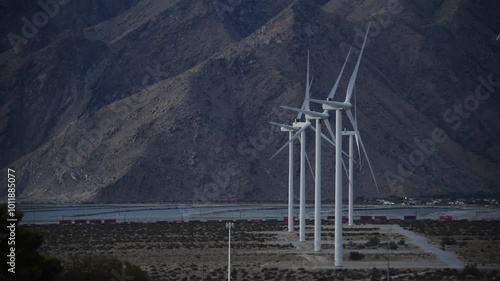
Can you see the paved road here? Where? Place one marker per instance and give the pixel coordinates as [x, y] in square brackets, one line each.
[324, 259]
[448, 258]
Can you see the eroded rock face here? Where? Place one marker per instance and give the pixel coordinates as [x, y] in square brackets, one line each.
[169, 101]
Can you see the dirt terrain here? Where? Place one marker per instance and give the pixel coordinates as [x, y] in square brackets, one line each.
[477, 242]
[260, 251]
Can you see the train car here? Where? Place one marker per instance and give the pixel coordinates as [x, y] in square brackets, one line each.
[410, 218]
[65, 222]
[445, 218]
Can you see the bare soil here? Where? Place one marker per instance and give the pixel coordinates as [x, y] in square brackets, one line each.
[260, 251]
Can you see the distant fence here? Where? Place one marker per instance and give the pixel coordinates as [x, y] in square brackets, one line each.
[106, 221]
[363, 218]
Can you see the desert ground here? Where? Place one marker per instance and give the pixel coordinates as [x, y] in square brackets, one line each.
[267, 251]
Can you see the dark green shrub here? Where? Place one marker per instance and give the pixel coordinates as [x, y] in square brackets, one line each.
[470, 268]
[392, 245]
[356, 256]
[445, 240]
[374, 241]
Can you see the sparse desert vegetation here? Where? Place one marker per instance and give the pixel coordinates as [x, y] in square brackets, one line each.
[473, 241]
[261, 251]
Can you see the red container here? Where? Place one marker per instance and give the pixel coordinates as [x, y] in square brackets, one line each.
[445, 218]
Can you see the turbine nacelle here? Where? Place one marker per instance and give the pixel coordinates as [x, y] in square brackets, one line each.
[284, 127]
[329, 105]
[299, 124]
[309, 114]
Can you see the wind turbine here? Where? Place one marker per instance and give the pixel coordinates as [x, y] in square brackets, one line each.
[339, 107]
[300, 126]
[352, 134]
[318, 116]
[290, 129]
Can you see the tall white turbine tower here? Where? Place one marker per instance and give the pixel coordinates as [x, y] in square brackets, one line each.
[357, 136]
[311, 115]
[298, 125]
[229, 226]
[350, 207]
[290, 130]
[339, 107]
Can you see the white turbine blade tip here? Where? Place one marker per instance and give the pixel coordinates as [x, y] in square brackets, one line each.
[334, 89]
[354, 75]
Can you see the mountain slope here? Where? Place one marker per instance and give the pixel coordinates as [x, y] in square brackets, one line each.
[167, 101]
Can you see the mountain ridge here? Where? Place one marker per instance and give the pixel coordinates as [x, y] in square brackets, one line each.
[182, 99]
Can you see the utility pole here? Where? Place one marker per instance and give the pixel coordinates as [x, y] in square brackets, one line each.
[387, 257]
[388, 268]
[229, 225]
[202, 252]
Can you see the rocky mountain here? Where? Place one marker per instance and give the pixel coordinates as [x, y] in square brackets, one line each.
[148, 101]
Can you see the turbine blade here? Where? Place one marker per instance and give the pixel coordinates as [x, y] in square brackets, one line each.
[369, 164]
[354, 75]
[299, 115]
[330, 141]
[307, 82]
[307, 112]
[334, 89]
[310, 166]
[288, 127]
[345, 169]
[292, 139]
[358, 135]
[355, 107]
[356, 122]
[329, 103]
[323, 136]
[329, 127]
